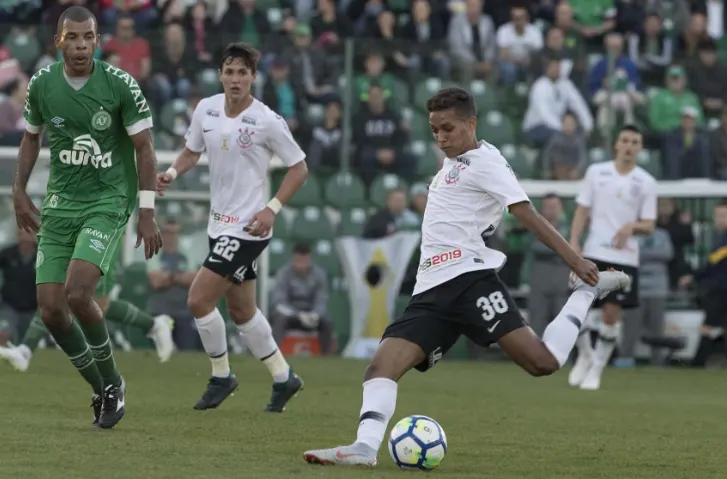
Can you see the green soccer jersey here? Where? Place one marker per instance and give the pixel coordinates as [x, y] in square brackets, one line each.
[93, 163]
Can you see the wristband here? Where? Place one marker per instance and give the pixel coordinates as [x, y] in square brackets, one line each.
[146, 199]
[275, 205]
[172, 172]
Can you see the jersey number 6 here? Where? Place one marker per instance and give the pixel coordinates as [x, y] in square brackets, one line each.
[226, 247]
[492, 305]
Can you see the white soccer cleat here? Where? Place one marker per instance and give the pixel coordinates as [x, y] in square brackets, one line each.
[580, 369]
[161, 335]
[357, 454]
[608, 282]
[17, 356]
[592, 381]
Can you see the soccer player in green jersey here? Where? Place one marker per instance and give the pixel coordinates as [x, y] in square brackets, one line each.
[98, 124]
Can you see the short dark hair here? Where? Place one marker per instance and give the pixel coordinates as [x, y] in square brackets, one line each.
[301, 248]
[631, 128]
[244, 52]
[75, 13]
[455, 98]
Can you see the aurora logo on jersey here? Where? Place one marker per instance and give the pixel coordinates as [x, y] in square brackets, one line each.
[141, 105]
[85, 150]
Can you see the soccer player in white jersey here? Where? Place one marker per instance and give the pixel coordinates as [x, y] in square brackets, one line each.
[240, 135]
[458, 291]
[619, 199]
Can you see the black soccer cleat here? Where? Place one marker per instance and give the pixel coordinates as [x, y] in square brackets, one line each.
[96, 404]
[114, 400]
[284, 392]
[218, 389]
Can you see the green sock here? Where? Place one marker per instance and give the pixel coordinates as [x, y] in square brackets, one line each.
[73, 343]
[97, 337]
[124, 312]
[36, 331]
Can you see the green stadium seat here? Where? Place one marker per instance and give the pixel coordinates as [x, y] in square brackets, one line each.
[314, 114]
[339, 309]
[311, 224]
[485, 96]
[135, 284]
[25, 49]
[282, 228]
[597, 155]
[208, 81]
[496, 128]
[325, 256]
[427, 160]
[278, 254]
[425, 89]
[309, 194]
[420, 130]
[275, 17]
[170, 112]
[353, 221]
[344, 189]
[519, 162]
[381, 186]
[400, 93]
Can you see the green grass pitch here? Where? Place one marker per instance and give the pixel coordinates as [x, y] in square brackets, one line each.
[500, 423]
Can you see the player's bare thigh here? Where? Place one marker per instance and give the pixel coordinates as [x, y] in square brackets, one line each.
[393, 358]
[206, 291]
[81, 281]
[527, 350]
[242, 301]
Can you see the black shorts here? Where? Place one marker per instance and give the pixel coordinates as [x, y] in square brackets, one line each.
[475, 304]
[234, 258]
[715, 309]
[625, 299]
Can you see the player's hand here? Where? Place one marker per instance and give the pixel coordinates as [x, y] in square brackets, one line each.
[685, 281]
[622, 235]
[261, 223]
[587, 271]
[163, 182]
[148, 231]
[26, 214]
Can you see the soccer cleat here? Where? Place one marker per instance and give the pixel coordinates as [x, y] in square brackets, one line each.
[161, 335]
[17, 356]
[114, 400]
[357, 454]
[217, 391]
[608, 282]
[580, 369]
[283, 392]
[592, 381]
[96, 404]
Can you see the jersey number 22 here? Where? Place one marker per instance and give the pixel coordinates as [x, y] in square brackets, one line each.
[226, 247]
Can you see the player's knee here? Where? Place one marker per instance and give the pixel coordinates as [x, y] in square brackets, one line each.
[241, 313]
[542, 363]
[53, 316]
[199, 305]
[78, 297]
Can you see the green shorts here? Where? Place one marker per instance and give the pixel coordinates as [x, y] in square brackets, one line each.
[94, 238]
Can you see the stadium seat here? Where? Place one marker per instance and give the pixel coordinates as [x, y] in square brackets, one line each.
[325, 256]
[344, 189]
[381, 186]
[25, 49]
[352, 222]
[425, 89]
[208, 82]
[519, 161]
[314, 114]
[339, 310]
[135, 284]
[485, 96]
[597, 155]
[427, 160]
[495, 128]
[170, 111]
[282, 227]
[278, 254]
[309, 194]
[420, 130]
[651, 162]
[311, 224]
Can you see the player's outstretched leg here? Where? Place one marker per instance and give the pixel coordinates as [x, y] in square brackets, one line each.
[158, 329]
[19, 356]
[393, 358]
[255, 330]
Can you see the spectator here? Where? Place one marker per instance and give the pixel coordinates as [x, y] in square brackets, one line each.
[616, 100]
[170, 275]
[550, 97]
[518, 42]
[548, 273]
[329, 28]
[707, 77]
[308, 67]
[655, 253]
[380, 139]
[425, 37]
[629, 16]
[472, 42]
[686, 150]
[575, 48]
[325, 147]
[391, 219]
[175, 65]
[679, 226]
[244, 22]
[300, 299]
[595, 17]
[364, 13]
[201, 33]
[141, 11]
[374, 74]
[598, 80]
[418, 197]
[666, 106]
[11, 108]
[675, 13]
[716, 16]
[718, 148]
[382, 32]
[565, 157]
[133, 50]
[695, 33]
[554, 47]
[17, 265]
[651, 49]
[279, 93]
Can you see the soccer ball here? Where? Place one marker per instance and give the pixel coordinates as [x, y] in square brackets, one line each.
[417, 442]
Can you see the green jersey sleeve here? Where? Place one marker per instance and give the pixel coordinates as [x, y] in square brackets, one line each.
[31, 111]
[135, 112]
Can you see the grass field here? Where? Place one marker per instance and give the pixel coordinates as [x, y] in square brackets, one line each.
[500, 423]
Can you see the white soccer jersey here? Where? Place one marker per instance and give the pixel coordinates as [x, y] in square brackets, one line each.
[239, 151]
[614, 200]
[466, 202]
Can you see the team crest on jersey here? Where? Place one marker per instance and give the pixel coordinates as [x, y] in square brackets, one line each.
[453, 175]
[101, 120]
[244, 139]
[39, 258]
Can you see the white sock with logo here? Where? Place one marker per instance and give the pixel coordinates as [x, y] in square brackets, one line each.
[561, 334]
[259, 339]
[212, 331]
[605, 344]
[379, 404]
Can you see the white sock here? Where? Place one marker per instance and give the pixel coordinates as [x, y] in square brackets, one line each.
[379, 403]
[561, 334]
[212, 332]
[259, 339]
[583, 344]
[606, 342]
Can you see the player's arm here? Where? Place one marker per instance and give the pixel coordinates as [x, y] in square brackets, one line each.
[646, 223]
[25, 211]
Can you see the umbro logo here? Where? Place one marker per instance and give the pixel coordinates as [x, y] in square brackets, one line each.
[57, 121]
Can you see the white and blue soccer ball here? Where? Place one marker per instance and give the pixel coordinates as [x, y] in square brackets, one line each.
[417, 442]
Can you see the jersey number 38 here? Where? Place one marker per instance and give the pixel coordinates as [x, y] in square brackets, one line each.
[492, 305]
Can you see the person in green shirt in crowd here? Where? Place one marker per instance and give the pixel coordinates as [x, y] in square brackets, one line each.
[665, 108]
[374, 74]
[595, 17]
